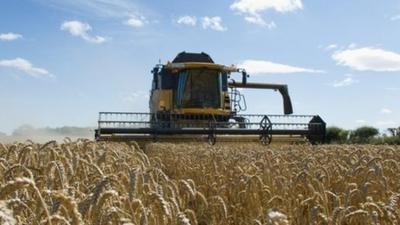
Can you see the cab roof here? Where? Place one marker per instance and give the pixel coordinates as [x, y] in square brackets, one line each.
[188, 60]
[185, 57]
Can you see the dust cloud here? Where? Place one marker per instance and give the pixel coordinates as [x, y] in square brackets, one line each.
[41, 135]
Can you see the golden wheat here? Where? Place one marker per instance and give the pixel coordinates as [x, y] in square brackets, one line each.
[84, 182]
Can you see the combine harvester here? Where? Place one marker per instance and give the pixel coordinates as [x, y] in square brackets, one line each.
[193, 98]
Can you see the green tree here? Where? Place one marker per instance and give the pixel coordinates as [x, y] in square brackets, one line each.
[336, 135]
[394, 131]
[363, 135]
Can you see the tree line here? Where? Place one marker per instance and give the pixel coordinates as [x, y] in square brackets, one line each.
[362, 135]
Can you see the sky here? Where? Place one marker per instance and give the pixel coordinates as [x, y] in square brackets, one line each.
[63, 61]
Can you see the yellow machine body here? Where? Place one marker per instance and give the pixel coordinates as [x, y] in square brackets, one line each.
[164, 100]
[193, 97]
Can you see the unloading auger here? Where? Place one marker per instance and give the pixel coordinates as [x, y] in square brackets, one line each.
[192, 97]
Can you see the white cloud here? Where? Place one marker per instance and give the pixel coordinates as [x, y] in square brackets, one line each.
[348, 81]
[100, 8]
[395, 17]
[253, 8]
[386, 111]
[256, 6]
[368, 59]
[187, 20]
[214, 23]
[331, 47]
[361, 121]
[135, 96]
[136, 21]
[80, 29]
[25, 66]
[10, 36]
[260, 66]
[258, 20]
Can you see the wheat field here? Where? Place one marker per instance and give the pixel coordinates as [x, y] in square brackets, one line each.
[84, 182]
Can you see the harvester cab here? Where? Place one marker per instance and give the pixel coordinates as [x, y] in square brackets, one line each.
[193, 97]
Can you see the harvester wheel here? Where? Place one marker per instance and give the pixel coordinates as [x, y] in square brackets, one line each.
[265, 139]
[212, 139]
[266, 127]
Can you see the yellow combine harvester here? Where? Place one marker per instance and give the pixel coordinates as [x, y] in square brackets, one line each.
[192, 97]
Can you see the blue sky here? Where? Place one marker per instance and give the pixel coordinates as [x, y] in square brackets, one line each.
[63, 61]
